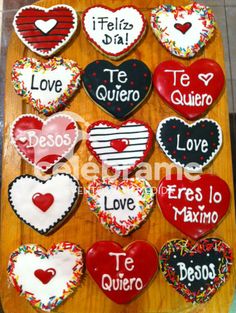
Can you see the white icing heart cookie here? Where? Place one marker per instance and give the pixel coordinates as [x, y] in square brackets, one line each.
[46, 86]
[120, 206]
[114, 32]
[46, 278]
[183, 30]
[41, 204]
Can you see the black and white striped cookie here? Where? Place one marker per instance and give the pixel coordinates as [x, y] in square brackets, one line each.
[43, 205]
[120, 147]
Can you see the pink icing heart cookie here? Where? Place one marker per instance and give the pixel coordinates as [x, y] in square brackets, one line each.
[183, 30]
[46, 278]
[136, 136]
[120, 206]
[45, 31]
[46, 86]
[114, 32]
[41, 204]
[43, 143]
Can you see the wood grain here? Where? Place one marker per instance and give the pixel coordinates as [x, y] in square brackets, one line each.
[82, 227]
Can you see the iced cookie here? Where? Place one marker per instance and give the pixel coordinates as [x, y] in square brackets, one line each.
[183, 30]
[46, 86]
[114, 32]
[120, 206]
[196, 271]
[41, 204]
[122, 273]
[118, 90]
[191, 146]
[43, 143]
[120, 147]
[195, 207]
[45, 31]
[46, 278]
[189, 90]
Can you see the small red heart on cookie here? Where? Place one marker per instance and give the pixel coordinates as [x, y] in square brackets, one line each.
[119, 144]
[45, 276]
[43, 202]
[189, 90]
[122, 274]
[183, 27]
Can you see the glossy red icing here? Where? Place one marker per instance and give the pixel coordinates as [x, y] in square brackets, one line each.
[110, 265]
[45, 276]
[43, 202]
[183, 28]
[194, 207]
[119, 144]
[190, 91]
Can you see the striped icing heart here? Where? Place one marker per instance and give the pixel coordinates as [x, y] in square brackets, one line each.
[45, 31]
[136, 135]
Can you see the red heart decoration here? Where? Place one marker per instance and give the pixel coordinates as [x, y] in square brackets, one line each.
[107, 141]
[43, 143]
[189, 90]
[119, 144]
[183, 28]
[45, 276]
[194, 207]
[43, 202]
[132, 268]
[43, 30]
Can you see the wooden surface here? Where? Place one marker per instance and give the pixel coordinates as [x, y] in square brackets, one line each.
[82, 228]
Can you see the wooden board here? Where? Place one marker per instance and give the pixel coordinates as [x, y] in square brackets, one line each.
[82, 227]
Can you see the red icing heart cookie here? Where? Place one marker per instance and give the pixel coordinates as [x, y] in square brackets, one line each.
[44, 143]
[46, 278]
[136, 135]
[196, 271]
[45, 30]
[183, 30]
[120, 206]
[122, 274]
[194, 207]
[114, 32]
[46, 86]
[190, 91]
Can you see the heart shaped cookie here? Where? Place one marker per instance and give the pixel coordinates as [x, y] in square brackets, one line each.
[122, 274]
[196, 271]
[189, 90]
[46, 86]
[102, 143]
[120, 206]
[46, 278]
[183, 30]
[41, 204]
[43, 143]
[195, 207]
[114, 32]
[118, 90]
[189, 146]
[45, 31]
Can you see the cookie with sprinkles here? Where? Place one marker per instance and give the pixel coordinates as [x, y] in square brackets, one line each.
[46, 86]
[191, 146]
[46, 278]
[114, 32]
[40, 203]
[120, 147]
[45, 31]
[118, 90]
[196, 271]
[120, 206]
[183, 30]
[122, 273]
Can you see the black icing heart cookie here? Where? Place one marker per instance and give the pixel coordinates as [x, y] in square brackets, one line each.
[118, 90]
[196, 271]
[189, 146]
